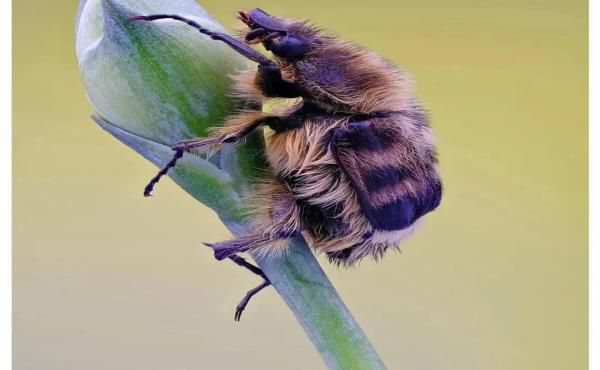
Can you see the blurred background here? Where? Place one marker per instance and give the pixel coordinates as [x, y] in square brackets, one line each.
[496, 279]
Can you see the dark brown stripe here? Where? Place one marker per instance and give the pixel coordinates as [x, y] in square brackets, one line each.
[384, 177]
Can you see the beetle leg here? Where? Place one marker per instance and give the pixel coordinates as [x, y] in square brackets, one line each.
[240, 261]
[235, 44]
[242, 305]
[272, 84]
[163, 171]
[197, 143]
[179, 149]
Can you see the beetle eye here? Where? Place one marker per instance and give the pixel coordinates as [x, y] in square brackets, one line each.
[288, 47]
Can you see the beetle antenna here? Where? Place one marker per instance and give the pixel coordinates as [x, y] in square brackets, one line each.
[235, 44]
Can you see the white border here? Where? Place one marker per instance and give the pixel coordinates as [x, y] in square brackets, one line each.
[5, 186]
[6, 203]
[594, 224]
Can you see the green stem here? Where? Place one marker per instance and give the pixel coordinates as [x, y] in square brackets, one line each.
[296, 275]
[154, 75]
[307, 291]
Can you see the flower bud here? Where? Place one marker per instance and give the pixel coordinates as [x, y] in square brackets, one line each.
[153, 84]
[161, 80]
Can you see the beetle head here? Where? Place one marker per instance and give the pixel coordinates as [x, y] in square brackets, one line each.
[286, 39]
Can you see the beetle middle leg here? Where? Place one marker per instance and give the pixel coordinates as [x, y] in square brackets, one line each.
[234, 129]
[179, 149]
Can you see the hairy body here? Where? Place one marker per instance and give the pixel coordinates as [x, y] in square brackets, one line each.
[352, 163]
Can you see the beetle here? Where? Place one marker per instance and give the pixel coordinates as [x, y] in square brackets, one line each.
[352, 162]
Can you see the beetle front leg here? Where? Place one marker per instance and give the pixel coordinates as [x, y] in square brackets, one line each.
[272, 84]
[235, 44]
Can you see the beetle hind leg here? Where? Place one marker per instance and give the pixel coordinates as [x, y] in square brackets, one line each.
[243, 244]
[244, 302]
[229, 249]
[276, 219]
[239, 309]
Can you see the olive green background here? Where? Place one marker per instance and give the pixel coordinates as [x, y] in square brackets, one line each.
[496, 279]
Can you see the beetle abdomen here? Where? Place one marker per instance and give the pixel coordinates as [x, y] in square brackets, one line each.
[360, 186]
[401, 212]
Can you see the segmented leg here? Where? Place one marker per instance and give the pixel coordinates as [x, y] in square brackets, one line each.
[269, 75]
[272, 84]
[244, 302]
[195, 143]
[179, 149]
[240, 261]
[163, 171]
[242, 305]
[276, 217]
[235, 44]
[242, 244]
[233, 130]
